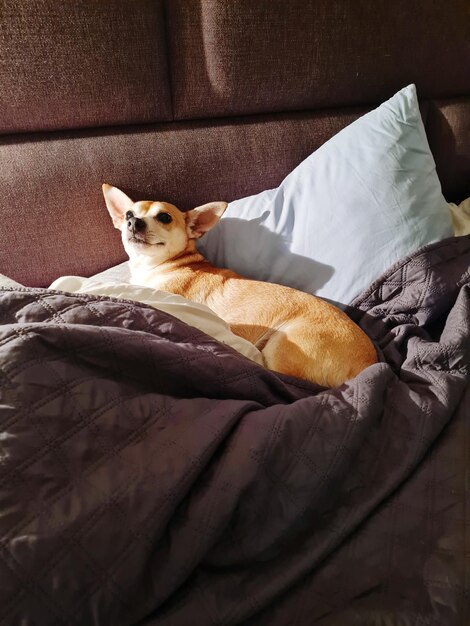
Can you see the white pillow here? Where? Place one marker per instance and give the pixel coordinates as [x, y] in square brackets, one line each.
[366, 198]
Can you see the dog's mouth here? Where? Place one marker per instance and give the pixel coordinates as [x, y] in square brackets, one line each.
[139, 241]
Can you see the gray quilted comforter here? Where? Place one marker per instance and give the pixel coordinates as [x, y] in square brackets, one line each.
[152, 476]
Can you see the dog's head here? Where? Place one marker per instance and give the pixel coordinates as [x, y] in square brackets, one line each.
[158, 230]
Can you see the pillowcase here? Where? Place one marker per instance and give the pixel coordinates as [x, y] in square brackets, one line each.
[366, 198]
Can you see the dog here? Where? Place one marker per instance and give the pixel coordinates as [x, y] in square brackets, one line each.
[298, 334]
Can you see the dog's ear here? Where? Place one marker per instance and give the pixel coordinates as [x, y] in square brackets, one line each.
[203, 218]
[117, 203]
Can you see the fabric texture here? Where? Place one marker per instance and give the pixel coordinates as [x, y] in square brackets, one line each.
[239, 57]
[76, 64]
[366, 198]
[192, 313]
[151, 475]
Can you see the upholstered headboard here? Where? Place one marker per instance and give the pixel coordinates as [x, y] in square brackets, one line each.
[198, 100]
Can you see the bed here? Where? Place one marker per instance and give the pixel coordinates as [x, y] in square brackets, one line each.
[154, 472]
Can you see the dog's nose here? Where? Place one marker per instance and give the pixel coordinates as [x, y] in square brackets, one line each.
[135, 224]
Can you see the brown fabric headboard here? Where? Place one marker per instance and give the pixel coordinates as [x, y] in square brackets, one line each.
[197, 100]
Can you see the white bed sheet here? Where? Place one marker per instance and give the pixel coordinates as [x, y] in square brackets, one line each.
[192, 313]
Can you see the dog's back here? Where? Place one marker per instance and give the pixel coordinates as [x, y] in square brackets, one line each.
[298, 334]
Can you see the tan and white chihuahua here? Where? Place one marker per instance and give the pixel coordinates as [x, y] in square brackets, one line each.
[298, 334]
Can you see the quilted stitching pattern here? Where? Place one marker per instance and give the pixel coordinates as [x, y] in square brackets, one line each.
[151, 475]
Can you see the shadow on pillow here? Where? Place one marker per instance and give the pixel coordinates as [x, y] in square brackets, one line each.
[268, 250]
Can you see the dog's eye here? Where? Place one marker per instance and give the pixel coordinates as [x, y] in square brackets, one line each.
[129, 214]
[164, 218]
